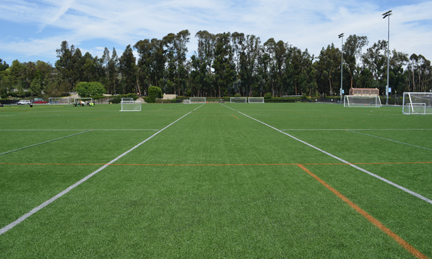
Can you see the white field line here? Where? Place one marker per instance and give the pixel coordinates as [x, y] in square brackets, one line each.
[389, 140]
[347, 129]
[77, 129]
[7, 152]
[46, 203]
[340, 159]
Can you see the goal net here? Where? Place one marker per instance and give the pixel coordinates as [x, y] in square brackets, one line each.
[186, 101]
[59, 100]
[256, 100]
[129, 105]
[362, 101]
[417, 103]
[197, 100]
[238, 99]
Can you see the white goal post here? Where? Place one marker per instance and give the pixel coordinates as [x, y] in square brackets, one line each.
[238, 99]
[197, 100]
[59, 100]
[417, 103]
[256, 100]
[362, 101]
[130, 105]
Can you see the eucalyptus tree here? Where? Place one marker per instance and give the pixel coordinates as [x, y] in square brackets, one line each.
[277, 52]
[151, 62]
[176, 50]
[398, 74]
[68, 64]
[375, 61]
[263, 62]
[420, 73]
[326, 68]
[223, 65]
[128, 71]
[246, 52]
[205, 58]
[111, 70]
[352, 50]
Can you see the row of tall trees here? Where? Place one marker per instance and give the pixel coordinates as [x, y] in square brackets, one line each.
[223, 64]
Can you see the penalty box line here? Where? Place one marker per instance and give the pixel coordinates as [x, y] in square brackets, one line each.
[11, 151]
[340, 159]
[46, 203]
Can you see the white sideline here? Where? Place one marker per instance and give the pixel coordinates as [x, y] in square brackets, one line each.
[389, 140]
[18, 149]
[340, 159]
[46, 203]
[348, 129]
[76, 129]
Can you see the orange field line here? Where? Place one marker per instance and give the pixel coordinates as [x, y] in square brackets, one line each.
[270, 164]
[374, 221]
[235, 116]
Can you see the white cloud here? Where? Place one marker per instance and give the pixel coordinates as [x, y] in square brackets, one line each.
[311, 24]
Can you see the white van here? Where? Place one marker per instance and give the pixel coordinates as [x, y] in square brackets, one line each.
[24, 102]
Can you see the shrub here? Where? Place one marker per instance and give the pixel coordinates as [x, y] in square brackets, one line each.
[153, 93]
[268, 96]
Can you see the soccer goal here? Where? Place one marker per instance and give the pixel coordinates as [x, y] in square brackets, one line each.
[197, 100]
[362, 101]
[186, 101]
[238, 99]
[256, 100]
[130, 105]
[59, 101]
[417, 103]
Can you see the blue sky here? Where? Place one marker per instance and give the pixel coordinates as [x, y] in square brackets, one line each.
[33, 30]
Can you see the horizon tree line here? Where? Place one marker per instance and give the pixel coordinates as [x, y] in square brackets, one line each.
[224, 64]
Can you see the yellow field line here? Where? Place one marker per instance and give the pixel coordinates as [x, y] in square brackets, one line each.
[235, 116]
[371, 219]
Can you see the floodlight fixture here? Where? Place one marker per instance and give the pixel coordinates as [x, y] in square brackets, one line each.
[385, 15]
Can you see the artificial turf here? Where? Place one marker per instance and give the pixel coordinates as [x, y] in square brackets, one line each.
[214, 184]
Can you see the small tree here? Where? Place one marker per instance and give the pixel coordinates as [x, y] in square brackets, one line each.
[153, 93]
[90, 89]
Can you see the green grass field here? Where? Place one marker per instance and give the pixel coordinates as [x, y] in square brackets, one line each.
[218, 183]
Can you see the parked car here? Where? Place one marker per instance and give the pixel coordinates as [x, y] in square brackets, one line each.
[23, 102]
[39, 102]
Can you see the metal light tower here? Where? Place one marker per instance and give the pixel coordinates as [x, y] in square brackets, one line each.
[341, 36]
[385, 15]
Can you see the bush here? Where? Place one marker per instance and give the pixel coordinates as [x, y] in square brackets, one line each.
[153, 93]
[268, 96]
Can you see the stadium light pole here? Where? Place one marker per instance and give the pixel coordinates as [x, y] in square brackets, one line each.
[385, 15]
[341, 36]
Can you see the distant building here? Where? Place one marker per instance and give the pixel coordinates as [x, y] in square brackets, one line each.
[364, 91]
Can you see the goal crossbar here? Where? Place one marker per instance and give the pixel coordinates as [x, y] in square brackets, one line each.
[362, 101]
[238, 99]
[255, 99]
